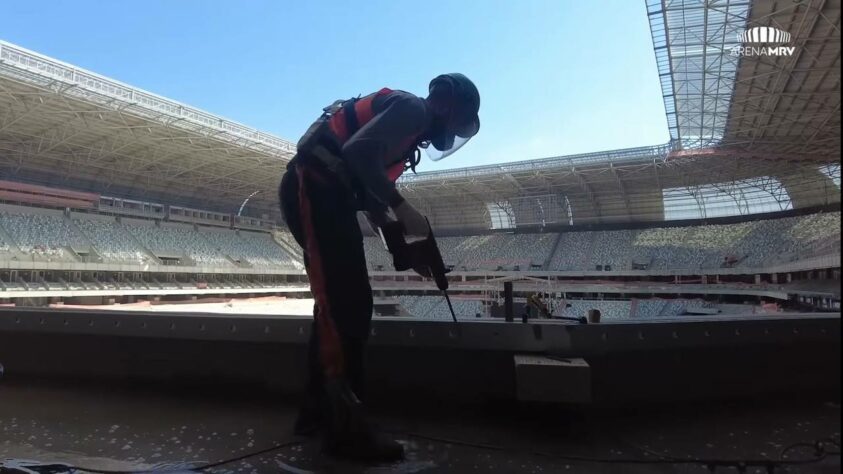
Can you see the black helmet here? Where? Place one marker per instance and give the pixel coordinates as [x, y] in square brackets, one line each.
[463, 122]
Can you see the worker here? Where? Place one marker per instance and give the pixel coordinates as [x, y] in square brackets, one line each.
[348, 161]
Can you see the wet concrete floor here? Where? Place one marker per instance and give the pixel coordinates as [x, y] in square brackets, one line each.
[118, 429]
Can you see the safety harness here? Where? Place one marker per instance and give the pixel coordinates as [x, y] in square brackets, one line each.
[338, 123]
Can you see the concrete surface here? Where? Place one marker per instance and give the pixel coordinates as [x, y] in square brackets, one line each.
[159, 429]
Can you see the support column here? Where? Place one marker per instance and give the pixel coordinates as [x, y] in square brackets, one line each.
[507, 304]
[757, 279]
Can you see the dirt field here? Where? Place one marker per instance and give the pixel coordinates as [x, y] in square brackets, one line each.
[263, 305]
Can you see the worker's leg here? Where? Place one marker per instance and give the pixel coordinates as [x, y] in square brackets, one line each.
[349, 293]
[309, 418]
[336, 241]
[340, 285]
[336, 268]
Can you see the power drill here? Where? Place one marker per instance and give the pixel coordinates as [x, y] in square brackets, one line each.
[421, 255]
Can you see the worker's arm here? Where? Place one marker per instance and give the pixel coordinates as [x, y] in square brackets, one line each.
[398, 115]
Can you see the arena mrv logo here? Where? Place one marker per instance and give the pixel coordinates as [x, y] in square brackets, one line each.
[763, 41]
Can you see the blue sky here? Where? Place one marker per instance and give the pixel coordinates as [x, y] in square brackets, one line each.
[556, 77]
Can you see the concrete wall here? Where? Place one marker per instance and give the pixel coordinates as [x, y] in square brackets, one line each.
[640, 362]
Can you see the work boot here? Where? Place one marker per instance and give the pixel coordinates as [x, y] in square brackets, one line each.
[368, 447]
[309, 419]
[310, 416]
[348, 434]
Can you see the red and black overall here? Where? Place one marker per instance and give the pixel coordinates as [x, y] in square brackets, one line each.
[321, 212]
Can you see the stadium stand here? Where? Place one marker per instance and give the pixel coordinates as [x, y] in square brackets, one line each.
[261, 251]
[612, 249]
[610, 310]
[285, 239]
[485, 252]
[434, 307]
[659, 308]
[42, 235]
[5, 248]
[408, 303]
[448, 249]
[532, 249]
[746, 244]
[376, 255]
[462, 308]
[178, 240]
[479, 252]
[47, 235]
[113, 242]
[572, 252]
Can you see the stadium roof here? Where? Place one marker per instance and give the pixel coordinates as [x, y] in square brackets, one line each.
[790, 105]
[637, 184]
[692, 41]
[717, 95]
[64, 126]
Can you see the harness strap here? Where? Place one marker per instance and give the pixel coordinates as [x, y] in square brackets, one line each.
[350, 114]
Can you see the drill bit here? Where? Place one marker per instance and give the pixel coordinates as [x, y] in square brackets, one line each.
[448, 299]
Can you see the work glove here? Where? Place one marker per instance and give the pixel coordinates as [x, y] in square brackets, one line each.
[414, 223]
